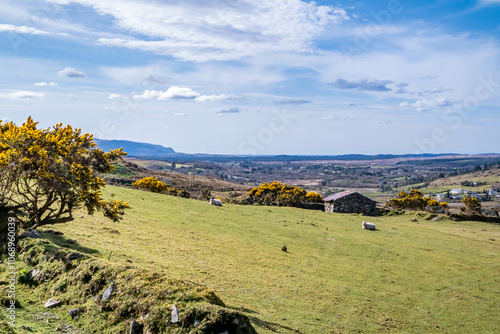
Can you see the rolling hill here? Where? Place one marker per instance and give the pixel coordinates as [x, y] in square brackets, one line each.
[406, 277]
[133, 148]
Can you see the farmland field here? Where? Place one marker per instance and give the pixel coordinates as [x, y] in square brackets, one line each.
[408, 276]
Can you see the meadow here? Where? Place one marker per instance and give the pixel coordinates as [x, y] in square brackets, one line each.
[408, 276]
[489, 178]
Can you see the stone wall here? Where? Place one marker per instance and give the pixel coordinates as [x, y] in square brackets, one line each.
[352, 203]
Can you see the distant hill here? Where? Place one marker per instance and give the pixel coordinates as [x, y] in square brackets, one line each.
[158, 152]
[134, 148]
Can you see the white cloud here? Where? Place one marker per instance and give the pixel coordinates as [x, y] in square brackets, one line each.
[21, 95]
[341, 117]
[365, 84]
[114, 96]
[213, 98]
[180, 114]
[45, 84]
[70, 72]
[426, 104]
[148, 94]
[292, 101]
[232, 110]
[22, 29]
[171, 94]
[213, 29]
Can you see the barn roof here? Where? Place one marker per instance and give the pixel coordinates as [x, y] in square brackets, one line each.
[342, 194]
[337, 196]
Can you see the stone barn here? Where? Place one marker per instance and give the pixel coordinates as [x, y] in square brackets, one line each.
[350, 202]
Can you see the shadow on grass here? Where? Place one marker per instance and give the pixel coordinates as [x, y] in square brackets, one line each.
[271, 326]
[62, 241]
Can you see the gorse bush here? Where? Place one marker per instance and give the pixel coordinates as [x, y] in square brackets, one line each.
[314, 197]
[46, 174]
[472, 205]
[154, 185]
[415, 200]
[151, 184]
[277, 193]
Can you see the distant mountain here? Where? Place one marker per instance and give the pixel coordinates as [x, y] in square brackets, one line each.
[158, 152]
[133, 148]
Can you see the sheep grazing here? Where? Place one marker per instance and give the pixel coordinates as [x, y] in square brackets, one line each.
[368, 226]
[215, 201]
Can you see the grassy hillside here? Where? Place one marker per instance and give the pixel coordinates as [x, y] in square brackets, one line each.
[133, 169]
[491, 178]
[407, 277]
[79, 282]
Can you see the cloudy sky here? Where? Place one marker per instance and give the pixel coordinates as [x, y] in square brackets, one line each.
[259, 77]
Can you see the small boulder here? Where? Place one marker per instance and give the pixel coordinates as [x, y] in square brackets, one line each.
[136, 328]
[52, 302]
[73, 313]
[30, 234]
[109, 291]
[175, 315]
[36, 275]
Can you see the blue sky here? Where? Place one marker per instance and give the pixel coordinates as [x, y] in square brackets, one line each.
[253, 77]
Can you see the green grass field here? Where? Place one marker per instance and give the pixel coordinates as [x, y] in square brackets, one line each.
[122, 171]
[406, 277]
[491, 178]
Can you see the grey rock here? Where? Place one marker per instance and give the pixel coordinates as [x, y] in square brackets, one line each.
[34, 235]
[52, 302]
[175, 315]
[36, 275]
[136, 328]
[73, 313]
[30, 234]
[109, 291]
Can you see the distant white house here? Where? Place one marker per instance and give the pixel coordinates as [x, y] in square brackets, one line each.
[492, 192]
[456, 191]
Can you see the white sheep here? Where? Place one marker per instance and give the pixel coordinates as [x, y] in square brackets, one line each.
[215, 201]
[368, 226]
